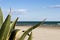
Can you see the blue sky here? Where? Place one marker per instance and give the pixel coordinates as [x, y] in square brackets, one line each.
[32, 10]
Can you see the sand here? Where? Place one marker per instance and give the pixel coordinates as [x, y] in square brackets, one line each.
[42, 33]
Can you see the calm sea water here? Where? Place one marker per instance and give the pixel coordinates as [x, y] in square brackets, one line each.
[31, 23]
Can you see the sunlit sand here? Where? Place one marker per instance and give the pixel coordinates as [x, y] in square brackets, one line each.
[42, 33]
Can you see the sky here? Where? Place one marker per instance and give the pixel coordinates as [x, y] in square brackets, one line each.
[32, 10]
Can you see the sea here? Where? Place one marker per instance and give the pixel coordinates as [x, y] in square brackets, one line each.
[32, 23]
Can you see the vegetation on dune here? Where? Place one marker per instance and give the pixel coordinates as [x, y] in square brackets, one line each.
[8, 31]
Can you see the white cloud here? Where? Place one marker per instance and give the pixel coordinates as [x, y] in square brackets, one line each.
[54, 6]
[18, 11]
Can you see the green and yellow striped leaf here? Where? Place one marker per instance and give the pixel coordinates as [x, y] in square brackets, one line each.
[1, 17]
[30, 36]
[13, 34]
[5, 28]
[12, 27]
[13, 24]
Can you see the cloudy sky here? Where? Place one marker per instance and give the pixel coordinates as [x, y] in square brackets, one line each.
[32, 10]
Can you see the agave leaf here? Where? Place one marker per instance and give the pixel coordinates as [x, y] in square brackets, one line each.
[30, 29]
[12, 27]
[30, 36]
[13, 24]
[1, 17]
[5, 28]
[13, 34]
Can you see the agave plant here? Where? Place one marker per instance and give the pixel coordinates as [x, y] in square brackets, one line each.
[8, 31]
[30, 36]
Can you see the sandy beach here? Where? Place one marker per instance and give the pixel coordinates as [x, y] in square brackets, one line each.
[41, 33]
